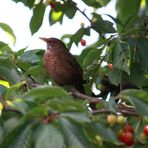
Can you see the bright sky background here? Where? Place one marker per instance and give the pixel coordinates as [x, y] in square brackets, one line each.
[17, 16]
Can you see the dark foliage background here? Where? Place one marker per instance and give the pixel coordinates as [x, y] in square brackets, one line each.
[36, 114]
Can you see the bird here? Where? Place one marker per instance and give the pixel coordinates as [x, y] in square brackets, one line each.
[61, 65]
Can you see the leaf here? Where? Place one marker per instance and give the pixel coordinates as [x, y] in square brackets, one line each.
[20, 137]
[3, 90]
[92, 57]
[67, 104]
[124, 11]
[9, 31]
[69, 8]
[55, 17]
[102, 26]
[74, 134]
[32, 56]
[20, 105]
[45, 91]
[95, 4]
[77, 116]
[136, 76]
[13, 88]
[37, 18]
[121, 56]
[47, 136]
[9, 71]
[142, 52]
[135, 97]
[11, 123]
[105, 132]
[28, 3]
[135, 93]
[115, 76]
[78, 36]
[140, 107]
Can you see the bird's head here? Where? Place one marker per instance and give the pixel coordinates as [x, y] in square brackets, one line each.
[53, 43]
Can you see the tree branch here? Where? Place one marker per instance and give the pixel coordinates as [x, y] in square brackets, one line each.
[81, 96]
[83, 13]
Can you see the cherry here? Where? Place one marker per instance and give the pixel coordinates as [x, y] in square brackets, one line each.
[82, 25]
[83, 42]
[110, 66]
[145, 130]
[128, 128]
[126, 138]
[143, 137]
[111, 119]
[121, 119]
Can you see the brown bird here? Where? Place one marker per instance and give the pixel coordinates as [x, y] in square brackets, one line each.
[61, 65]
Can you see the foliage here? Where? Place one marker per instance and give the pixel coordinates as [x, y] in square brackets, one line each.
[36, 114]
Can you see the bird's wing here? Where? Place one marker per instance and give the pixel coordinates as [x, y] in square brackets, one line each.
[73, 62]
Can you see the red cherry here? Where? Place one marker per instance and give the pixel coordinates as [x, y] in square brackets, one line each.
[52, 5]
[145, 130]
[110, 66]
[128, 128]
[126, 138]
[83, 42]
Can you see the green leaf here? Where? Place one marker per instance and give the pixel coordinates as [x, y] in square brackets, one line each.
[2, 44]
[11, 123]
[47, 136]
[121, 56]
[20, 105]
[77, 116]
[37, 18]
[124, 11]
[78, 36]
[32, 56]
[3, 90]
[45, 91]
[115, 76]
[9, 31]
[92, 57]
[95, 4]
[135, 97]
[136, 76]
[9, 71]
[28, 3]
[19, 137]
[102, 26]
[13, 88]
[67, 104]
[140, 107]
[106, 133]
[55, 17]
[135, 93]
[74, 134]
[69, 8]
[34, 70]
[142, 52]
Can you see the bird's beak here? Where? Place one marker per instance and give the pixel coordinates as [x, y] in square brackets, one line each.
[44, 39]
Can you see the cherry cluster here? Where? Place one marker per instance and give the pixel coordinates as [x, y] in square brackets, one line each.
[126, 135]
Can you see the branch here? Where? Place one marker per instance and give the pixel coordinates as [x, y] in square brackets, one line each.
[105, 111]
[90, 99]
[11, 110]
[83, 13]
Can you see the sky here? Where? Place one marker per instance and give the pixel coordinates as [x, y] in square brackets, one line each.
[17, 16]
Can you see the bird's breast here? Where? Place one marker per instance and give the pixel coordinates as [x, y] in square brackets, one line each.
[59, 68]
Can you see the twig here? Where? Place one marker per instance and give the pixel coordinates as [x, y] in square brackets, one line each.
[11, 110]
[105, 111]
[83, 13]
[81, 96]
